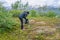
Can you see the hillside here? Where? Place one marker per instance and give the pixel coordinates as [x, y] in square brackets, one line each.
[37, 29]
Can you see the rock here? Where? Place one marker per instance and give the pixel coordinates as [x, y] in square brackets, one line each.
[31, 21]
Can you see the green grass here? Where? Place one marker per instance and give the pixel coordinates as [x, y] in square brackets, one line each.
[30, 33]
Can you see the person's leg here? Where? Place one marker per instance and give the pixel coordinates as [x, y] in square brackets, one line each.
[21, 23]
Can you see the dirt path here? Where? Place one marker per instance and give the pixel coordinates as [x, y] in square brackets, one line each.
[47, 30]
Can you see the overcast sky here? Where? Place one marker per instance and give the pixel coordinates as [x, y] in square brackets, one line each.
[34, 2]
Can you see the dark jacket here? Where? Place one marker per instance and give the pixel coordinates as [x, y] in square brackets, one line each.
[23, 15]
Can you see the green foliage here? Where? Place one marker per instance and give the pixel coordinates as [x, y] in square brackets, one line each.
[15, 5]
[47, 14]
[33, 13]
[58, 16]
[9, 22]
[15, 13]
[6, 22]
[50, 14]
[25, 6]
[39, 37]
[41, 14]
[2, 8]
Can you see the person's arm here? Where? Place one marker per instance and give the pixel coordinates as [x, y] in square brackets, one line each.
[26, 20]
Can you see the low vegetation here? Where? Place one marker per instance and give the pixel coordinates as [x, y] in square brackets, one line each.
[42, 26]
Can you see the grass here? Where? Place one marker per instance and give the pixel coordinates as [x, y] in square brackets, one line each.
[30, 32]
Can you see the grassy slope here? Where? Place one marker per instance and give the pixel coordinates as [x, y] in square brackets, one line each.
[39, 28]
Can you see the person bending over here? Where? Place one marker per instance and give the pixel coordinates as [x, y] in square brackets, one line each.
[23, 16]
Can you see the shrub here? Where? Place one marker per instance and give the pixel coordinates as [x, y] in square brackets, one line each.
[33, 13]
[15, 13]
[6, 22]
[50, 14]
